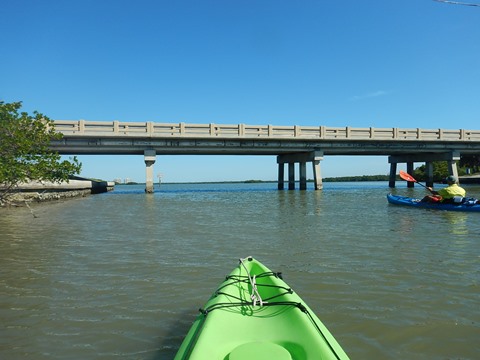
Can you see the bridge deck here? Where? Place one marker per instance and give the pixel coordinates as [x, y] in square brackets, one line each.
[114, 137]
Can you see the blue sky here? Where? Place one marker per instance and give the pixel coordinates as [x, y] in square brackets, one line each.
[380, 63]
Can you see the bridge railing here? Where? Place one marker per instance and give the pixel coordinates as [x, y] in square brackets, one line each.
[151, 129]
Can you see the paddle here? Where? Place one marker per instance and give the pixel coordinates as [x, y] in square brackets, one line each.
[408, 177]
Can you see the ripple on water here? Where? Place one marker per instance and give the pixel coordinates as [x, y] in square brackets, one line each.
[123, 274]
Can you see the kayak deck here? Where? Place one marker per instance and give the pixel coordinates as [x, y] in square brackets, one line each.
[255, 315]
[407, 201]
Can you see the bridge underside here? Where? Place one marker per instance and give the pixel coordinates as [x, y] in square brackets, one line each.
[450, 157]
[217, 146]
[287, 151]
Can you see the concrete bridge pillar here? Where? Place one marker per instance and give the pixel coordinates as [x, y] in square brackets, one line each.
[452, 167]
[410, 184]
[429, 173]
[302, 159]
[149, 157]
[317, 175]
[393, 175]
[450, 157]
[303, 175]
[281, 176]
[291, 176]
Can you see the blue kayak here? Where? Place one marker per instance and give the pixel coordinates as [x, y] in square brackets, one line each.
[468, 205]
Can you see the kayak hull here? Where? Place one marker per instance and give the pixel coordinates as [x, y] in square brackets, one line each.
[255, 315]
[407, 201]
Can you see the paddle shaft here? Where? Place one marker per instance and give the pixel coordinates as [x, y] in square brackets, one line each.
[426, 187]
[408, 177]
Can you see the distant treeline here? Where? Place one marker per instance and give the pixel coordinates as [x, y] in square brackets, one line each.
[340, 179]
[357, 178]
[328, 179]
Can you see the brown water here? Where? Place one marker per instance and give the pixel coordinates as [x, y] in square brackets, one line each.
[121, 275]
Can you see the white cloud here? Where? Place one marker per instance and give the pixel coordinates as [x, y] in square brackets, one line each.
[369, 95]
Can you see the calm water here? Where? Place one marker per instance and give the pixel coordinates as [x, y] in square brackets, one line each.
[121, 275]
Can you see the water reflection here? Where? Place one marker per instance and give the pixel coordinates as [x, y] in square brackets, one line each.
[457, 222]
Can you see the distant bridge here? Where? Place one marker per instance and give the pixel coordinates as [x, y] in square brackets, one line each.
[291, 144]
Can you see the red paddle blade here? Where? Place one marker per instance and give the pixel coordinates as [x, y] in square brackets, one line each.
[406, 176]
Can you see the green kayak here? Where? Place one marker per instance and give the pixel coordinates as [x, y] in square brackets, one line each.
[255, 315]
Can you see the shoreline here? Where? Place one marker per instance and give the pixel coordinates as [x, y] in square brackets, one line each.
[464, 179]
[37, 191]
[23, 198]
[76, 187]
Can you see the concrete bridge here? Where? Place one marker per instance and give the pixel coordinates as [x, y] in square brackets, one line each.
[290, 144]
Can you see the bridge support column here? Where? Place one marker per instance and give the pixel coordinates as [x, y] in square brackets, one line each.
[302, 158]
[281, 176]
[429, 173]
[410, 184]
[303, 175]
[149, 157]
[452, 167]
[450, 157]
[393, 175]
[317, 174]
[291, 176]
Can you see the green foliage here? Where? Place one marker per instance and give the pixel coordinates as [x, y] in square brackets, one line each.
[24, 149]
[440, 171]
[470, 161]
[358, 178]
